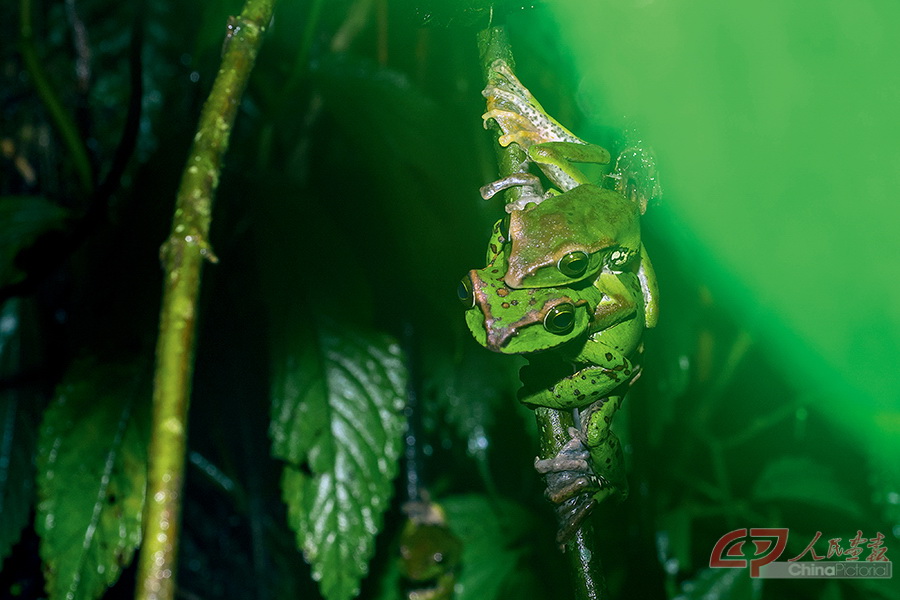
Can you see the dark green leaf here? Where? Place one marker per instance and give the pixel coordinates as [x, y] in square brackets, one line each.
[799, 479]
[389, 584]
[721, 584]
[338, 421]
[673, 539]
[489, 531]
[91, 478]
[22, 220]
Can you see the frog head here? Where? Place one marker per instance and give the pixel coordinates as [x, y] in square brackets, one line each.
[519, 321]
[571, 237]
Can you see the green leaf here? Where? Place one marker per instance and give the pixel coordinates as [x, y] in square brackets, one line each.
[673, 539]
[22, 220]
[338, 421]
[92, 475]
[490, 531]
[799, 479]
[722, 584]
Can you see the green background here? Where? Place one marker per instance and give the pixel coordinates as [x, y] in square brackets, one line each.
[776, 127]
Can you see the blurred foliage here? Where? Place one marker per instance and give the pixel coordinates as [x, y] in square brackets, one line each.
[349, 197]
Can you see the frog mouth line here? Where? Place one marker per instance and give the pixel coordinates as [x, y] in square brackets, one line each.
[499, 338]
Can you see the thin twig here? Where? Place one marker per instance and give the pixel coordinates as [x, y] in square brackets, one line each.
[553, 425]
[183, 255]
[59, 116]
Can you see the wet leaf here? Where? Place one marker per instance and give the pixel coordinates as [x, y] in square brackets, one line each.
[91, 478]
[338, 422]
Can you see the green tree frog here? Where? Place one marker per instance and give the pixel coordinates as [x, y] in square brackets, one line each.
[543, 139]
[586, 228]
[568, 281]
[596, 328]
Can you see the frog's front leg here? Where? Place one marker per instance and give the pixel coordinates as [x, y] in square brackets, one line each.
[636, 175]
[531, 189]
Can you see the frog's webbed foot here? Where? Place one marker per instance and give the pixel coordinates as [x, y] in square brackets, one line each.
[571, 484]
[516, 128]
[531, 185]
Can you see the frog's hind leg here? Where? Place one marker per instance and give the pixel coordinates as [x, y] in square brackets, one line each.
[502, 75]
[545, 127]
[604, 446]
[505, 89]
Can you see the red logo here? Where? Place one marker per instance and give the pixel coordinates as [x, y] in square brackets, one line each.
[768, 544]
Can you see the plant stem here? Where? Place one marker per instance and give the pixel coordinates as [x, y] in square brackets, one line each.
[183, 255]
[553, 425]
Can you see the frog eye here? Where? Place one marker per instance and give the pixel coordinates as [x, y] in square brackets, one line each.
[560, 319]
[464, 292]
[573, 264]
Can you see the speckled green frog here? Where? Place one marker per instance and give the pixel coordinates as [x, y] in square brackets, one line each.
[586, 228]
[567, 278]
[595, 327]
